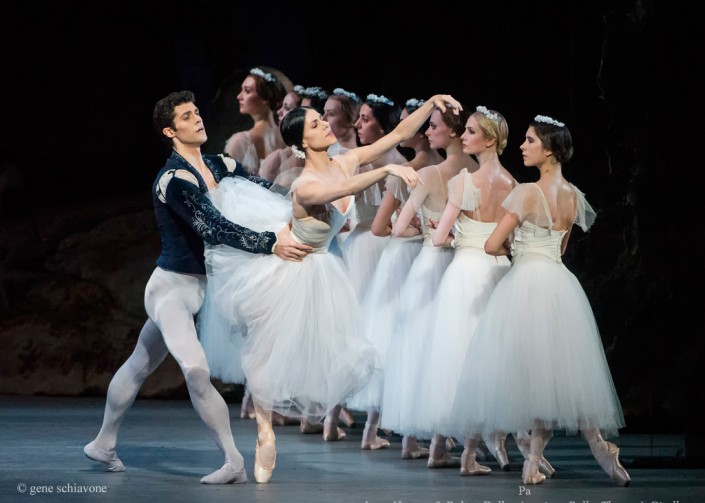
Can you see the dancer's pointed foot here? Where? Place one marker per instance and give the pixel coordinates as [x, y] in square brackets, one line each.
[108, 458]
[347, 418]
[418, 453]
[333, 435]
[445, 461]
[227, 474]
[265, 455]
[530, 474]
[607, 455]
[376, 443]
[450, 444]
[469, 466]
[497, 444]
[544, 466]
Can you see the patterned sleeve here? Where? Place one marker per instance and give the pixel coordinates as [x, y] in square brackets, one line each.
[584, 214]
[194, 207]
[236, 169]
[462, 193]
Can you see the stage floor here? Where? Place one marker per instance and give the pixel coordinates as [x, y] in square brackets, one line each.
[166, 450]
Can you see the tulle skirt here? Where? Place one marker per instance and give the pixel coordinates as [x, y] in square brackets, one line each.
[410, 340]
[302, 352]
[362, 250]
[537, 355]
[461, 299]
[379, 310]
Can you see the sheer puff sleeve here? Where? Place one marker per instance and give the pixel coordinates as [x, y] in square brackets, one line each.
[462, 193]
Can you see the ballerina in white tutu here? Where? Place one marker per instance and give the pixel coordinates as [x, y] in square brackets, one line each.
[380, 302]
[303, 353]
[408, 346]
[473, 210]
[536, 361]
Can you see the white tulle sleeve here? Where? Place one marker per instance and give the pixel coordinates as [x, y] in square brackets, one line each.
[397, 188]
[584, 214]
[526, 202]
[462, 193]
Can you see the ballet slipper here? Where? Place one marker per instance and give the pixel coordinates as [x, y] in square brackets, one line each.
[108, 458]
[335, 435]
[308, 427]
[376, 442]
[607, 455]
[347, 418]
[530, 473]
[445, 461]
[497, 444]
[265, 454]
[227, 474]
[545, 467]
[469, 466]
[420, 452]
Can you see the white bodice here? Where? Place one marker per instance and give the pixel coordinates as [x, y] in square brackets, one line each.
[471, 233]
[320, 230]
[530, 238]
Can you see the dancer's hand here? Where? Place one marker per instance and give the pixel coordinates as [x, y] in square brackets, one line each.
[406, 173]
[288, 249]
[445, 101]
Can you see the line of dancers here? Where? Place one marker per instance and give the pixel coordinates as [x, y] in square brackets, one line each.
[428, 293]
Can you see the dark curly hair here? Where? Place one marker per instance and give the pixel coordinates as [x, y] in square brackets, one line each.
[163, 114]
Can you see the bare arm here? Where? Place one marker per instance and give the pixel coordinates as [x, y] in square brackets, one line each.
[380, 225]
[405, 129]
[441, 236]
[315, 193]
[497, 243]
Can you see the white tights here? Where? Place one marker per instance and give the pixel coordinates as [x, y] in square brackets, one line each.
[171, 300]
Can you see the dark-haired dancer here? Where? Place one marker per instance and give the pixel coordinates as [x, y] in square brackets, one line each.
[174, 294]
[304, 354]
[542, 367]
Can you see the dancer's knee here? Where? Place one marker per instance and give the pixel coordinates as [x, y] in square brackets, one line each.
[198, 379]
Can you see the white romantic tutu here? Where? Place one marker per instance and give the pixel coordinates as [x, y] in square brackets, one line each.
[302, 353]
[537, 354]
[362, 250]
[409, 344]
[461, 299]
[379, 309]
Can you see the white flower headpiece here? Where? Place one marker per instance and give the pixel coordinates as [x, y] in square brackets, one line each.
[298, 152]
[266, 76]
[490, 115]
[380, 99]
[351, 95]
[548, 120]
[299, 89]
[315, 92]
[413, 103]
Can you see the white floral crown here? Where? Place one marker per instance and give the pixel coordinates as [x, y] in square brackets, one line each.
[298, 152]
[314, 92]
[413, 103]
[266, 76]
[548, 120]
[490, 115]
[299, 89]
[352, 96]
[380, 99]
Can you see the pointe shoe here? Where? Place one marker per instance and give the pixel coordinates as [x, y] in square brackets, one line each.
[481, 452]
[607, 455]
[530, 473]
[468, 465]
[498, 447]
[108, 458]
[307, 427]
[247, 410]
[265, 456]
[347, 418]
[377, 443]
[278, 419]
[450, 444]
[421, 452]
[227, 474]
[446, 461]
[335, 435]
[544, 466]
